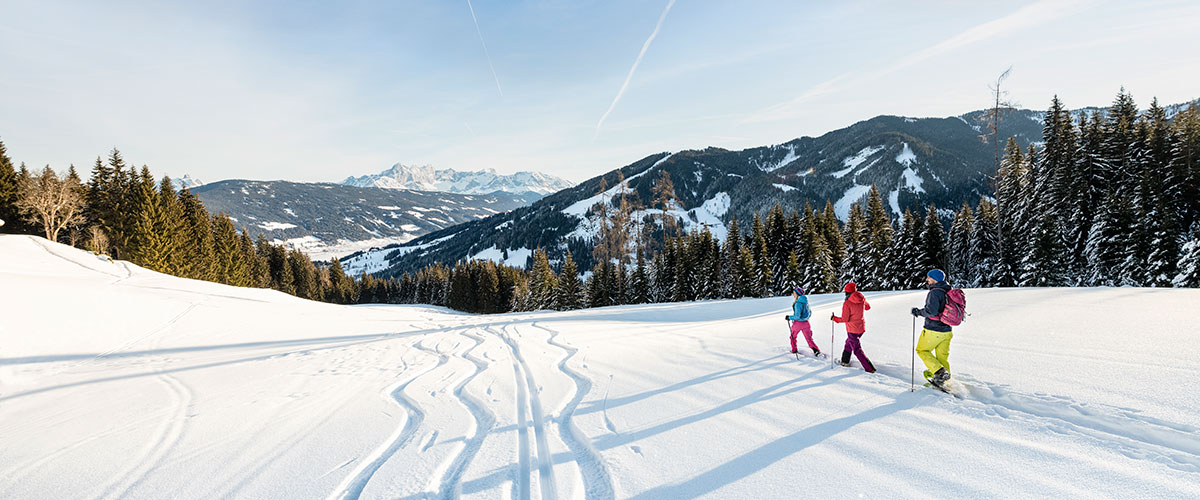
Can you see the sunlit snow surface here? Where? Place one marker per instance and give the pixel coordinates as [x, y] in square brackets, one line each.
[117, 382]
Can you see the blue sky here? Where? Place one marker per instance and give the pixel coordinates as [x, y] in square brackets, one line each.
[318, 91]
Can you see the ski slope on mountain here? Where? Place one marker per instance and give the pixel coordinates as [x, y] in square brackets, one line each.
[117, 382]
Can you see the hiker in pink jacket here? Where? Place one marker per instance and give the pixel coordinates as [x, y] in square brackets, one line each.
[852, 315]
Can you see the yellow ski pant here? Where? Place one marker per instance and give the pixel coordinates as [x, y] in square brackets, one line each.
[934, 349]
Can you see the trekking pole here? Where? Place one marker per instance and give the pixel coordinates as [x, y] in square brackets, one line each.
[912, 367]
[831, 345]
[789, 323]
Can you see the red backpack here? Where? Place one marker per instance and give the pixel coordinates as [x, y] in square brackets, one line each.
[956, 308]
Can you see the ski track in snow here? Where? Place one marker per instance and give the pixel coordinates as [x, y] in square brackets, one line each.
[449, 485]
[597, 482]
[180, 398]
[521, 483]
[528, 386]
[354, 483]
[166, 437]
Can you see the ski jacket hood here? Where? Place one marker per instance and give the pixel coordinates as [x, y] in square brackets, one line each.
[852, 313]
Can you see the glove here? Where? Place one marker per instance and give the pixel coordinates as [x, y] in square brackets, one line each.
[916, 311]
[832, 317]
[787, 317]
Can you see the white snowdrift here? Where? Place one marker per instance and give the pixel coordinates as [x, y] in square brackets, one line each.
[120, 382]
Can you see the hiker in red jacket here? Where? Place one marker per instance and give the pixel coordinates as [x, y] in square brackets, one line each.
[856, 325]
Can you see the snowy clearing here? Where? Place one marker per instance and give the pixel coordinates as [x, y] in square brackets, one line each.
[852, 195]
[275, 226]
[158, 387]
[516, 257]
[852, 162]
[906, 156]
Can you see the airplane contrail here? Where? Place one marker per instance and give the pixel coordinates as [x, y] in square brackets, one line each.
[485, 50]
[636, 62]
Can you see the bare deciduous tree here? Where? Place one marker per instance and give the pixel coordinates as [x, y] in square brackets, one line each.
[52, 202]
[1001, 106]
[97, 241]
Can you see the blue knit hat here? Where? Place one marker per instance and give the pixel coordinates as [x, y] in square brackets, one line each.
[937, 275]
[797, 290]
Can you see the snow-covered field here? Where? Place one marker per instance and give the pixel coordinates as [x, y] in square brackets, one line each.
[116, 382]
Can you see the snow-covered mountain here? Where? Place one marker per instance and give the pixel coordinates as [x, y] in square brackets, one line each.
[427, 178]
[914, 162]
[117, 382]
[334, 220]
[187, 182]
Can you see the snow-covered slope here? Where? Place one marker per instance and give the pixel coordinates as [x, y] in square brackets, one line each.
[427, 178]
[120, 382]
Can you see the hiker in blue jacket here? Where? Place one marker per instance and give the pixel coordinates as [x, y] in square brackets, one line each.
[799, 319]
[934, 344]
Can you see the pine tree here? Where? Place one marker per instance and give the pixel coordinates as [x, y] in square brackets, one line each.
[685, 268]
[598, 291]
[342, 289]
[487, 289]
[959, 258]
[542, 282]
[793, 274]
[985, 247]
[734, 284]
[256, 254]
[1189, 264]
[933, 238]
[833, 236]
[570, 290]
[639, 281]
[747, 263]
[1047, 258]
[762, 268]
[462, 291]
[173, 226]
[8, 193]
[304, 273]
[778, 246]
[230, 266]
[119, 206]
[856, 265]
[1185, 163]
[280, 270]
[818, 273]
[1107, 246]
[1158, 242]
[878, 242]
[1009, 210]
[199, 261]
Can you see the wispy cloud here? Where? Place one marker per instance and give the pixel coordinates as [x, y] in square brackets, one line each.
[636, 62]
[1025, 17]
[485, 50]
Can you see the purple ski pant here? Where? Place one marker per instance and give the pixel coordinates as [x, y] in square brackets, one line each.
[803, 326]
[854, 345]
